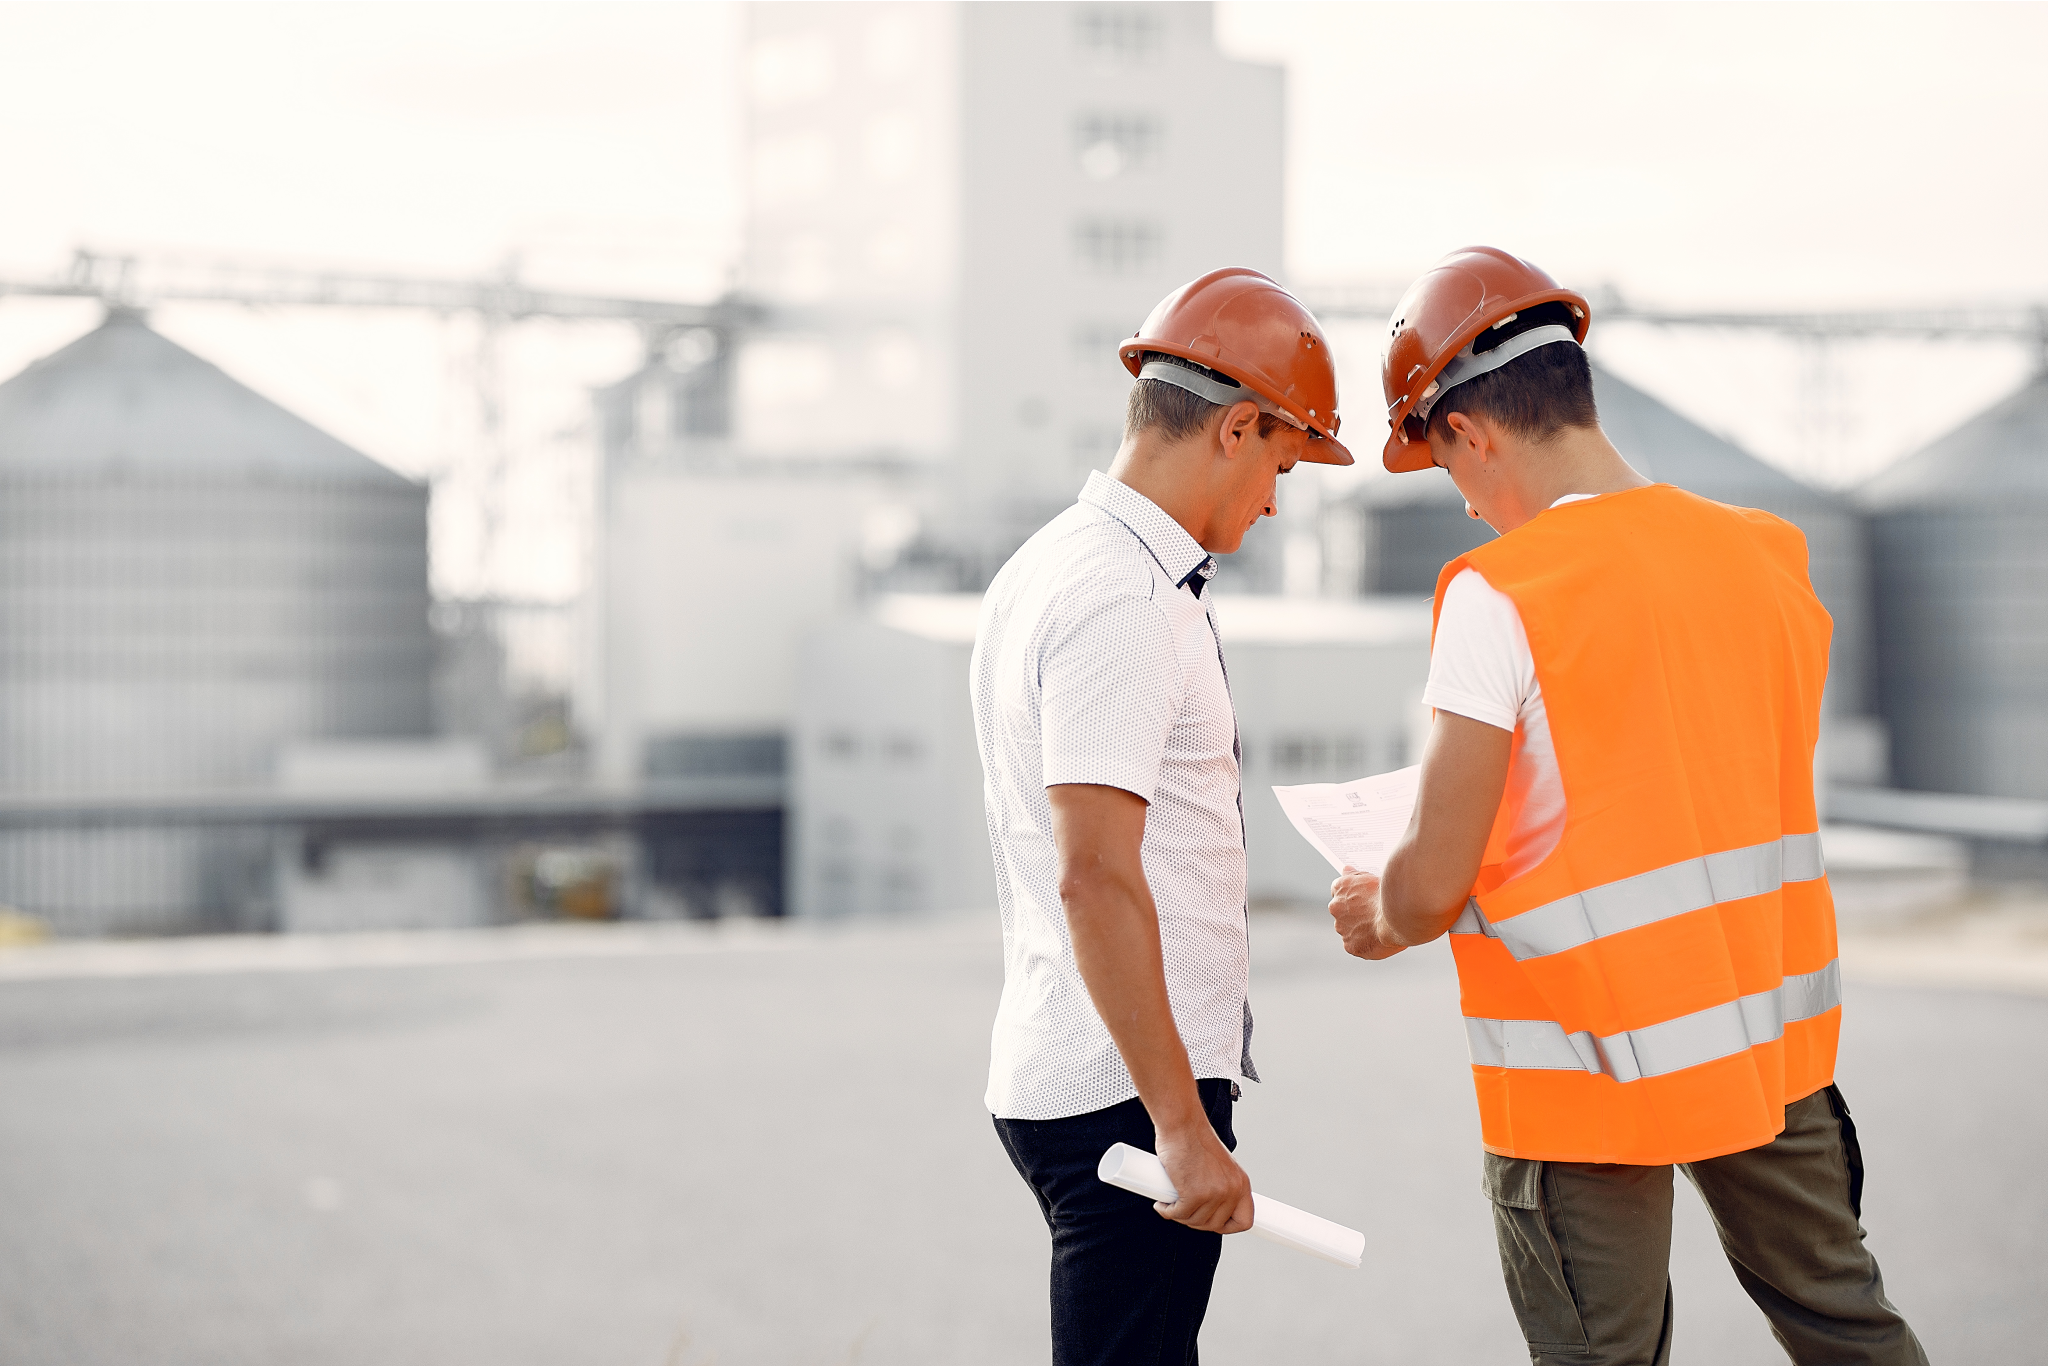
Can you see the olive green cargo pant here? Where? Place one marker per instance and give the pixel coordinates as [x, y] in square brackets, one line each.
[1586, 1247]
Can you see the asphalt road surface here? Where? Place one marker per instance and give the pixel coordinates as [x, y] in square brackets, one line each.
[703, 1145]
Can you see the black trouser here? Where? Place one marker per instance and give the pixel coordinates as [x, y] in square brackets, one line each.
[1586, 1247]
[1127, 1285]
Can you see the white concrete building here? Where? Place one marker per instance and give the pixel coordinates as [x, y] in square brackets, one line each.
[887, 794]
[707, 580]
[955, 213]
[973, 203]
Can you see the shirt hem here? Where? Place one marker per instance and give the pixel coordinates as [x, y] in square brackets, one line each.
[1236, 1076]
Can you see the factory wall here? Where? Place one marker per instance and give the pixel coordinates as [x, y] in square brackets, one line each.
[708, 581]
[887, 803]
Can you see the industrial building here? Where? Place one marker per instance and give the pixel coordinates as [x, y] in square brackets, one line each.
[218, 678]
[971, 205]
[888, 816]
[194, 577]
[1960, 532]
[955, 212]
[1960, 641]
[215, 615]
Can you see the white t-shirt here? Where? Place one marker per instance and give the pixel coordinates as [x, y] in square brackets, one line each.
[1480, 667]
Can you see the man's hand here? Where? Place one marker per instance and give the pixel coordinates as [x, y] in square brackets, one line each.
[1215, 1194]
[1361, 921]
[1431, 872]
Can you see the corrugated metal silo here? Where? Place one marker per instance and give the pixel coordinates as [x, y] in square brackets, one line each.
[1417, 522]
[193, 576]
[1960, 541]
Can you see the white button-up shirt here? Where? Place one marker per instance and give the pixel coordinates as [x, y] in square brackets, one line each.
[1097, 660]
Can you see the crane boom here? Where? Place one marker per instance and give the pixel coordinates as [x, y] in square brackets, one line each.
[140, 282]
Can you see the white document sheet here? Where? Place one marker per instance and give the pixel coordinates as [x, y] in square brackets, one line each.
[1141, 1172]
[1356, 823]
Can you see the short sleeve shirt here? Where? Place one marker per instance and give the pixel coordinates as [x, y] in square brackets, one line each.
[1097, 660]
[1480, 666]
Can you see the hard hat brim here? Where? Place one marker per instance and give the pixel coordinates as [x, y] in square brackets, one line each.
[1405, 457]
[1323, 450]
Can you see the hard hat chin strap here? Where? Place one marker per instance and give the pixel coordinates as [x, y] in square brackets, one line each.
[1467, 366]
[1222, 393]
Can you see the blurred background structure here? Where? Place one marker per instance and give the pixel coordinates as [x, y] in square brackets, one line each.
[479, 480]
[239, 693]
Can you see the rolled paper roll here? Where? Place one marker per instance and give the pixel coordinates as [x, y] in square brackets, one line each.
[1141, 1172]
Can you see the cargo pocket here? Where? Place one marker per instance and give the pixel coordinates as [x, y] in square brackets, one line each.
[1530, 1260]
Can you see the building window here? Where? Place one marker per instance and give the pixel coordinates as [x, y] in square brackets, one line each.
[1094, 347]
[1110, 145]
[1338, 756]
[1117, 246]
[1119, 34]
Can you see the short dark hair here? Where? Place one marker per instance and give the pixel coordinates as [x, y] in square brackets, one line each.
[1176, 412]
[1536, 395]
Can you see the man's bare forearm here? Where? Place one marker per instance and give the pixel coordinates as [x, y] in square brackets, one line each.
[1113, 926]
[1115, 932]
[1412, 910]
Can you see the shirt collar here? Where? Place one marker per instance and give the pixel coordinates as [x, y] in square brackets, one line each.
[1179, 554]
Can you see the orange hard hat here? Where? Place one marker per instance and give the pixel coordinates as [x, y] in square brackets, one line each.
[1243, 327]
[1457, 299]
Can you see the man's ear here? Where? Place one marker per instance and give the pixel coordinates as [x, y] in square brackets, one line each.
[1468, 434]
[1239, 421]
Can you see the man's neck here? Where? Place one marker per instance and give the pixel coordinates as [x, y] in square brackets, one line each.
[1579, 460]
[1158, 470]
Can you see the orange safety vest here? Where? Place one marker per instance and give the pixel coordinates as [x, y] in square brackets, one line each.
[1664, 981]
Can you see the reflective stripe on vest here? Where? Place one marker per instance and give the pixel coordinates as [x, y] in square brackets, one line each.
[1657, 895]
[1666, 1047]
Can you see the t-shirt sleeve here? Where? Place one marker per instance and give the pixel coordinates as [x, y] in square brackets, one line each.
[1480, 666]
[1110, 689]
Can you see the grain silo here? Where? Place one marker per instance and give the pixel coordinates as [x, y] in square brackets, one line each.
[1416, 522]
[193, 576]
[1960, 566]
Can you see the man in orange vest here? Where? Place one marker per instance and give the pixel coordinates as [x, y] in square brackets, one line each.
[1616, 826]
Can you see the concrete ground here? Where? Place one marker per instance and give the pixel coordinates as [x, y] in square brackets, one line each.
[750, 1143]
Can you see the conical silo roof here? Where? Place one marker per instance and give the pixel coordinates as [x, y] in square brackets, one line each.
[124, 401]
[1994, 457]
[1659, 441]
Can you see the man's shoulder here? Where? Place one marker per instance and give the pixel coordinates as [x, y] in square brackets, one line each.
[1083, 555]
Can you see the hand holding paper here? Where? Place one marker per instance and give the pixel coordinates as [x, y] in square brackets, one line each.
[1141, 1172]
[1356, 823]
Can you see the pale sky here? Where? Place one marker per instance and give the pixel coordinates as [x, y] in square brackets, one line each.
[1730, 154]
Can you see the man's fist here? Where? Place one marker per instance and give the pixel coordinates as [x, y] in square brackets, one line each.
[1355, 907]
[1215, 1195]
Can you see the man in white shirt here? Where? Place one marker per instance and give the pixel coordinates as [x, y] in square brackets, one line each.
[1110, 755]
